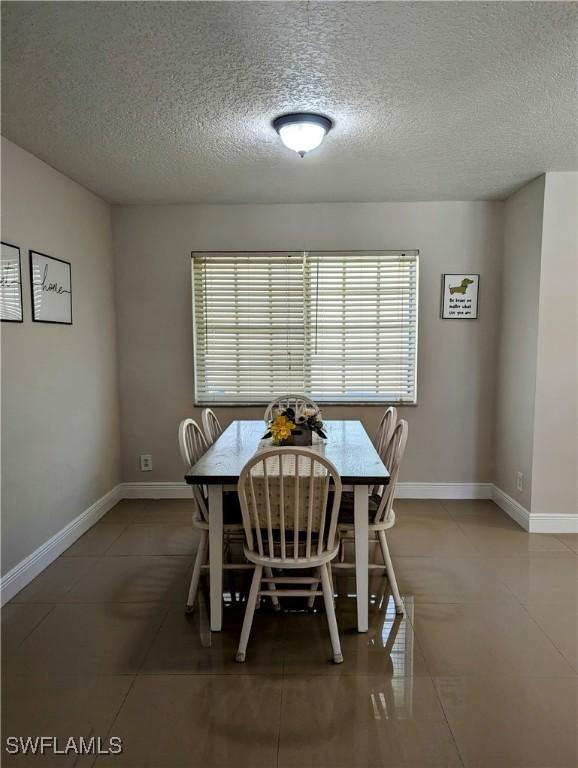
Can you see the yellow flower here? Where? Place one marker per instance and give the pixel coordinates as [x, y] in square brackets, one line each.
[281, 427]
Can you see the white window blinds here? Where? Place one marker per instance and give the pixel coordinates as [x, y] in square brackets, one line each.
[339, 327]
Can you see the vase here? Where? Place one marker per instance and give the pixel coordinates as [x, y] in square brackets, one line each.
[301, 436]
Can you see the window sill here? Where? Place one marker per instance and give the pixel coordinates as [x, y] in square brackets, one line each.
[322, 403]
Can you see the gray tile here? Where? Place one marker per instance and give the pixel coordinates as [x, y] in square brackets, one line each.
[64, 707]
[483, 639]
[450, 580]
[88, 640]
[542, 577]
[389, 648]
[155, 539]
[134, 579]
[125, 511]
[371, 721]
[54, 583]
[152, 511]
[170, 510]
[429, 532]
[513, 722]
[570, 540]
[476, 508]
[497, 623]
[200, 721]
[431, 508]
[18, 621]
[185, 645]
[493, 533]
[96, 541]
[560, 622]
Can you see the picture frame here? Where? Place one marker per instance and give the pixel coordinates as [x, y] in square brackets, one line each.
[50, 289]
[460, 296]
[11, 310]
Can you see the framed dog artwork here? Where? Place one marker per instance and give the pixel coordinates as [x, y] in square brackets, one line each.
[460, 297]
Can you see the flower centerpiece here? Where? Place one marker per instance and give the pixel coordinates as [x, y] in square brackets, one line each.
[287, 427]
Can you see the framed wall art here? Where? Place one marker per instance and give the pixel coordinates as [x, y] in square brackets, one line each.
[51, 289]
[10, 284]
[460, 297]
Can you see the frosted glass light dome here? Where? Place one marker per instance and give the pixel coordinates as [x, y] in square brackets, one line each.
[302, 131]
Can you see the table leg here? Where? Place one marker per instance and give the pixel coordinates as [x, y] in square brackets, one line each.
[361, 499]
[216, 555]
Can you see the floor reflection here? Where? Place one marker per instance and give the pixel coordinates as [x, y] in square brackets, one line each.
[386, 649]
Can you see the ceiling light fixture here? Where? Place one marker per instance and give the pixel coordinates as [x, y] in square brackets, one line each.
[302, 131]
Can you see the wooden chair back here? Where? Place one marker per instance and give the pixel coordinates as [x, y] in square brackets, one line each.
[392, 458]
[192, 445]
[289, 514]
[385, 429]
[211, 426]
[382, 438]
[297, 402]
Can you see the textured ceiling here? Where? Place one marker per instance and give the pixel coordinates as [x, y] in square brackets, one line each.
[172, 102]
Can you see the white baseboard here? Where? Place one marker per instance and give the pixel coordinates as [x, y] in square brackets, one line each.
[511, 507]
[535, 522]
[26, 570]
[155, 490]
[444, 491]
[556, 523]
[404, 491]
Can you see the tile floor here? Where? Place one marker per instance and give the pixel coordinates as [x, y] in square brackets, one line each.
[482, 671]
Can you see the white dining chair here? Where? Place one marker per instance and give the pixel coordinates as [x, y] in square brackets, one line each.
[383, 436]
[192, 445]
[290, 522]
[382, 514]
[297, 402]
[385, 429]
[211, 426]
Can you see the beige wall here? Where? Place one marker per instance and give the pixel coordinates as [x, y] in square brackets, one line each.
[452, 428]
[61, 448]
[60, 440]
[518, 339]
[555, 466]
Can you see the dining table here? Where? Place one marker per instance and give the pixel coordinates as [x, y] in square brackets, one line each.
[347, 446]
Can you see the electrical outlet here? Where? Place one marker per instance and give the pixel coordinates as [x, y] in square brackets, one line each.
[146, 462]
[520, 481]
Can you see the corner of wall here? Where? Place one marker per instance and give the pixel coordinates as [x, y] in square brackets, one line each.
[555, 438]
[517, 345]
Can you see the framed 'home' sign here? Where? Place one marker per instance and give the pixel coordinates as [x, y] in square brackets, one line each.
[51, 289]
[460, 297]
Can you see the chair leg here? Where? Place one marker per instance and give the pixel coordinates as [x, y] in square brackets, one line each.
[273, 588]
[249, 613]
[199, 561]
[311, 600]
[383, 588]
[390, 572]
[228, 558]
[330, 611]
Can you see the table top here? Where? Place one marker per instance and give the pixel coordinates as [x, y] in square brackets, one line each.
[348, 447]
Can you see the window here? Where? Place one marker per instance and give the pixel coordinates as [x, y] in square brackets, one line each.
[337, 326]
